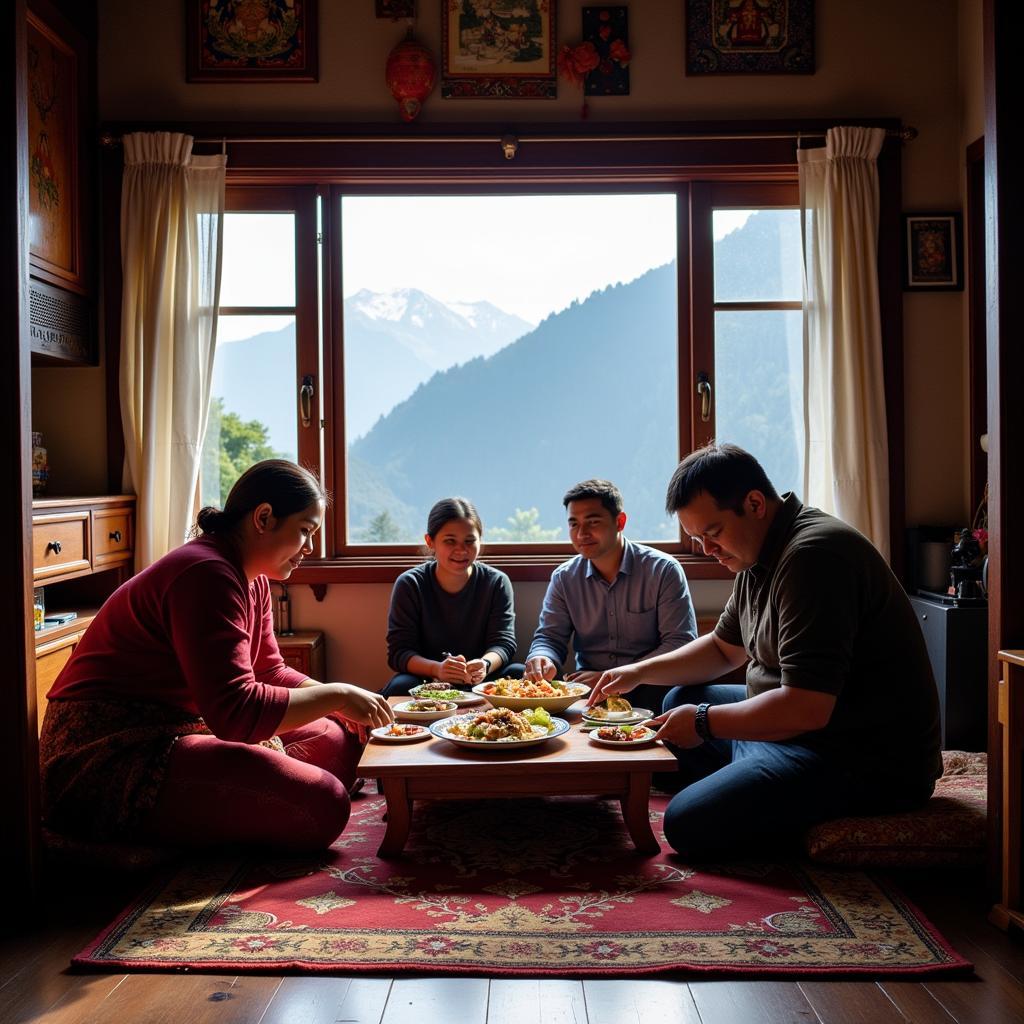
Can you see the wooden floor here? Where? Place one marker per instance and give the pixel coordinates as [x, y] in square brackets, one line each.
[36, 986]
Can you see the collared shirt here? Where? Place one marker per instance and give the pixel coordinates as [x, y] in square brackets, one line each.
[645, 610]
[821, 610]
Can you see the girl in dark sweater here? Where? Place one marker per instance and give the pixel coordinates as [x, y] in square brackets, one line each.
[451, 618]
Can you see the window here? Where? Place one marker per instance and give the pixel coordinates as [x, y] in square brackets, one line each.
[503, 347]
[499, 347]
[748, 324]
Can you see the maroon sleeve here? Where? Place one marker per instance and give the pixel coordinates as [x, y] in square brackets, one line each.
[267, 664]
[208, 617]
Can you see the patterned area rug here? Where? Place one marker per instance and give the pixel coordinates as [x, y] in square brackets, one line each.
[511, 887]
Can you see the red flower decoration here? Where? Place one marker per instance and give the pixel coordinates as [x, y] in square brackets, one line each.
[620, 52]
[575, 62]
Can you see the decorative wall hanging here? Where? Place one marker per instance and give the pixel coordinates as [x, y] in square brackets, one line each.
[502, 49]
[932, 247]
[607, 29]
[760, 37]
[410, 73]
[394, 9]
[251, 41]
[56, 78]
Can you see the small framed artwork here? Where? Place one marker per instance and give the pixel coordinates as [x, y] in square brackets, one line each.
[504, 49]
[56, 91]
[933, 247]
[750, 37]
[607, 28]
[253, 41]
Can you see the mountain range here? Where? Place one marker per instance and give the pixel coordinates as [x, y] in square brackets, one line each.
[445, 399]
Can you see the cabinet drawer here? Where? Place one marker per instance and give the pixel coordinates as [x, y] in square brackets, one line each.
[60, 545]
[111, 535]
[50, 659]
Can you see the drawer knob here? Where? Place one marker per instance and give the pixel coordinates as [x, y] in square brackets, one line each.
[116, 537]
[925, 615]
[53, 546]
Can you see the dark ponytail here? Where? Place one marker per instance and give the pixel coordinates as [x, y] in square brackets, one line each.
[286, 487]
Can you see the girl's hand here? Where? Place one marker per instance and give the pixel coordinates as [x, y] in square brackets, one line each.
[453, 669]
[477, 670]
[363, 707]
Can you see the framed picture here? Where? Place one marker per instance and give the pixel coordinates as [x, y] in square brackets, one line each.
[749, 37]
[254, 41]
[502, 49]
[933, 252]
[608, 29]
[56, 90]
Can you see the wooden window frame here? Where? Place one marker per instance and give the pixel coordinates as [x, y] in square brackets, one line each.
[465, 158]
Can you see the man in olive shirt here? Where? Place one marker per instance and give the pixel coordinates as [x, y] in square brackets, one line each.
[840, 712]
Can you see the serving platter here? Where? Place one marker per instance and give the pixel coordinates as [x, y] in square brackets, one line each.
[442, 731]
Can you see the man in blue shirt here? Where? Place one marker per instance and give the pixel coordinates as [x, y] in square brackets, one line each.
[617, 601]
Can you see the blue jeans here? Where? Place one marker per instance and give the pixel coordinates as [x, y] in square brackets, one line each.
[746, 798]
[403, 682]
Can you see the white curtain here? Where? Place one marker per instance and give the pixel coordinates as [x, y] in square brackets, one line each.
[172, 220]
[846, 463]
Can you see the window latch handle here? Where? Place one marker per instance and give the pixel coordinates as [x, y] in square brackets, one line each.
[306, 400]
[704, 390]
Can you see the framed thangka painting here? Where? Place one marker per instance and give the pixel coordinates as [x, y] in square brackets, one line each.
[56, 84]
[933, 252]
[251, 41]
[498, 49]
[754, 37]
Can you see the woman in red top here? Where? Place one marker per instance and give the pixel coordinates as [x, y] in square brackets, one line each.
[176, 720]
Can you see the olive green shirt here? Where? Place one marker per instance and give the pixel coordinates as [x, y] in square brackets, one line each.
[821, 610]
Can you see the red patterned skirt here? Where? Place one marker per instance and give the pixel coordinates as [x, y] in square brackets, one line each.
[103, 762]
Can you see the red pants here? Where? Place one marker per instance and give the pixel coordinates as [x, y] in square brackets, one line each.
[219, 792]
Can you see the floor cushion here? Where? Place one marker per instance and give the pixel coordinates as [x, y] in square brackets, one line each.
[949, 831]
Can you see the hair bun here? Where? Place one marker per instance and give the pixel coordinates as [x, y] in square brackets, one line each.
[210, 520]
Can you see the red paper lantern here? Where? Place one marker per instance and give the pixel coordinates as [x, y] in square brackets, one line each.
[410, 73]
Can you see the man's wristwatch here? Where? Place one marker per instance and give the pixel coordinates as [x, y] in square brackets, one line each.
[700, 722]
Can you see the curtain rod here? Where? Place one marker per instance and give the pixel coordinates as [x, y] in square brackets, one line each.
[510, 143]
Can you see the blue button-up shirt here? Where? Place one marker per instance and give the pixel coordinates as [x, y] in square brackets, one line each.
[645, 610]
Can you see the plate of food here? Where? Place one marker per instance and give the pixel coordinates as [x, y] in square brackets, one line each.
[612, 709]
[427, 709]
[623, 735]
[500, 727]
[436, 690]
[400, 732]
[521, 694]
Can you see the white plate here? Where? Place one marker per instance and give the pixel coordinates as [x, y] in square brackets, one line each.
[623, 744]
[440, 729]
[381, 735]
[634, 717]
[403, 714]
[465, 698]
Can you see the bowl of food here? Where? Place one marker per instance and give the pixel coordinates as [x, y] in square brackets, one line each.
[427, 709]
[521, 694]
[436, 690]
[500, 728]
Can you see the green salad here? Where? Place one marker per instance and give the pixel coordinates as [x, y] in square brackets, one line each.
[434, 694]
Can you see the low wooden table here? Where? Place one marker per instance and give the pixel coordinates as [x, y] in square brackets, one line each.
[569, 765]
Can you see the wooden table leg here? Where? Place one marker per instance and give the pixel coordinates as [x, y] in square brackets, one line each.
[396, 793]
[635, 811]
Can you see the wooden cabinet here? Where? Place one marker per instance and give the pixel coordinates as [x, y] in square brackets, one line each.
[304, 652]
[82, 551]
[1010, 910]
